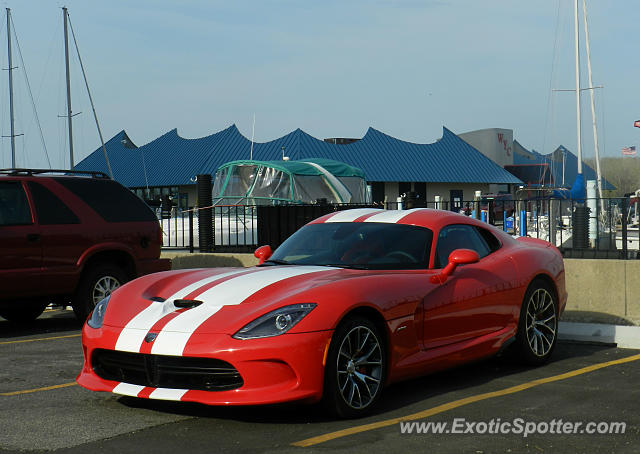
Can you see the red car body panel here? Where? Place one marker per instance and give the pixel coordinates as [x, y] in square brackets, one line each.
[429, 326]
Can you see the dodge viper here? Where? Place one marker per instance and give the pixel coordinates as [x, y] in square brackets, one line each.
[351, 302]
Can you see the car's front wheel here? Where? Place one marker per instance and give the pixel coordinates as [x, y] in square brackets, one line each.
[538, 325]
[97, 283]
[355, 369]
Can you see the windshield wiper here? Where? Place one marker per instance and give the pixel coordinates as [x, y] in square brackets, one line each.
[276, 262]
[352, 266]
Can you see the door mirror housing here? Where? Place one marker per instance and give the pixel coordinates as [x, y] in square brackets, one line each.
[457, 257]
[263, 253]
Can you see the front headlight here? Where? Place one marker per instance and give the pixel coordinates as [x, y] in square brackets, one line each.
[275, 322]
[97, 316]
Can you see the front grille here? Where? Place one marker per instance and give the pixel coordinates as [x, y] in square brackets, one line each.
[158, 371]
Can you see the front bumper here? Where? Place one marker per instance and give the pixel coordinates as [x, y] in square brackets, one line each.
[277, 369]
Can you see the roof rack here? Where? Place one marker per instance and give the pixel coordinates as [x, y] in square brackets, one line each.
[31, 172]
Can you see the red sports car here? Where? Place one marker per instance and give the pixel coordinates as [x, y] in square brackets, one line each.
[351, 302]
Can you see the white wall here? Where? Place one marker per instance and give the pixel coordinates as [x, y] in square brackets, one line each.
[391, 191]
[441, 189]
[494, 143]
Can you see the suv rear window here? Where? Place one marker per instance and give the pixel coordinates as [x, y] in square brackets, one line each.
[112, 201]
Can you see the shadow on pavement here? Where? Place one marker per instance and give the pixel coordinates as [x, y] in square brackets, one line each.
[51, 321]
[400, 396]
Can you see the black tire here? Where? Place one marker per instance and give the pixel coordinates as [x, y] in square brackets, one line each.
[23, 311]
[97, 282]
[538, 325]
[352, 385]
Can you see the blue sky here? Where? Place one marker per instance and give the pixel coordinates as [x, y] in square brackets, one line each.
[332, 68]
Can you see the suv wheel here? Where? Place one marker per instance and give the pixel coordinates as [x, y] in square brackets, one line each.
[23, 311]
[97, 283]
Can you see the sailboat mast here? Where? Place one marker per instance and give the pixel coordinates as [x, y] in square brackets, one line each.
[93, 107]
[66, 59]
[593, 107]
[13, 134]
[577, 49]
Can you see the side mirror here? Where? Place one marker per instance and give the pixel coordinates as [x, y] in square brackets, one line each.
[263, 253]
[457, 257]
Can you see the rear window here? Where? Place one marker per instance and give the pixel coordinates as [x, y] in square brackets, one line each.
[112, 201]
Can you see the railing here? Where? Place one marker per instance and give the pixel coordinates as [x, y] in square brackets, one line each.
[597, 228]
[235, 228]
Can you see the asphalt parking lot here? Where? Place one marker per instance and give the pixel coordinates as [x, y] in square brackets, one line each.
[43, 409]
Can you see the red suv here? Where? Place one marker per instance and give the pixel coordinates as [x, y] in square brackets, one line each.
[68, 236]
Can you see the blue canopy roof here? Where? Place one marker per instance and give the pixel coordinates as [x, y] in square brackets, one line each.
[548, 169]
[171, 160]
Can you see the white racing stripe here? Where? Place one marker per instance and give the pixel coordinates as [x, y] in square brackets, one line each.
[175, 335]
[167, 394]
[352, 215]
[127, 389]
[133, 333]
[391, 216]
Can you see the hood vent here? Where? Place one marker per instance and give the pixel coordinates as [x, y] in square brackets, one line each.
[186, 303]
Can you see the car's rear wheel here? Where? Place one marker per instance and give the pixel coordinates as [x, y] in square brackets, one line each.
[538, 325]
[97, 283]
[355, 369]
[23, 311]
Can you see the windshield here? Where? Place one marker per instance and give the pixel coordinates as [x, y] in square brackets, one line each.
[357, 245]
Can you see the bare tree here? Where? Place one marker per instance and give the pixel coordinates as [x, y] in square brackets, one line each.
[623, 173]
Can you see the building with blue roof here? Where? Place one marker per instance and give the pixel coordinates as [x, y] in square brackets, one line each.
[558, 169]
[450, 167]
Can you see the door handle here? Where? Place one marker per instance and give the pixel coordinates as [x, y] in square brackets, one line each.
[33, 237]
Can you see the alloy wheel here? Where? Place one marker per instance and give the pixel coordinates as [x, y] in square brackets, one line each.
[359, 367]
[541, 322]
[104, 287]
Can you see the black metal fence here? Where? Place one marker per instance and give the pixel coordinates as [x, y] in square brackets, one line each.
[597, 228]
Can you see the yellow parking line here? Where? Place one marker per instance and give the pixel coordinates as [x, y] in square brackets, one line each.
[47, 388]
[40, 339]
[459, 403]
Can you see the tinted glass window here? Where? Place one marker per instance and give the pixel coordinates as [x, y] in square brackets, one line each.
[492, 241]
[459, 236]
[14, 206]
[49, 208]
[358, 245]
[112, 201]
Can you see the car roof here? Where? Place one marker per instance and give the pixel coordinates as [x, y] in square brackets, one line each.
[57, 173]
[423, 217]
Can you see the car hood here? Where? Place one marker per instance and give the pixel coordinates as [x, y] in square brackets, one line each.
[230, 298]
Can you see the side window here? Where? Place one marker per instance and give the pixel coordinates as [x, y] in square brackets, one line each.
[112, 201]
[14, 206]
[49, 208]
[493, 243]
[459, 236]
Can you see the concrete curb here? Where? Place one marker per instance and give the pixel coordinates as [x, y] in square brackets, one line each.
[622, 336]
